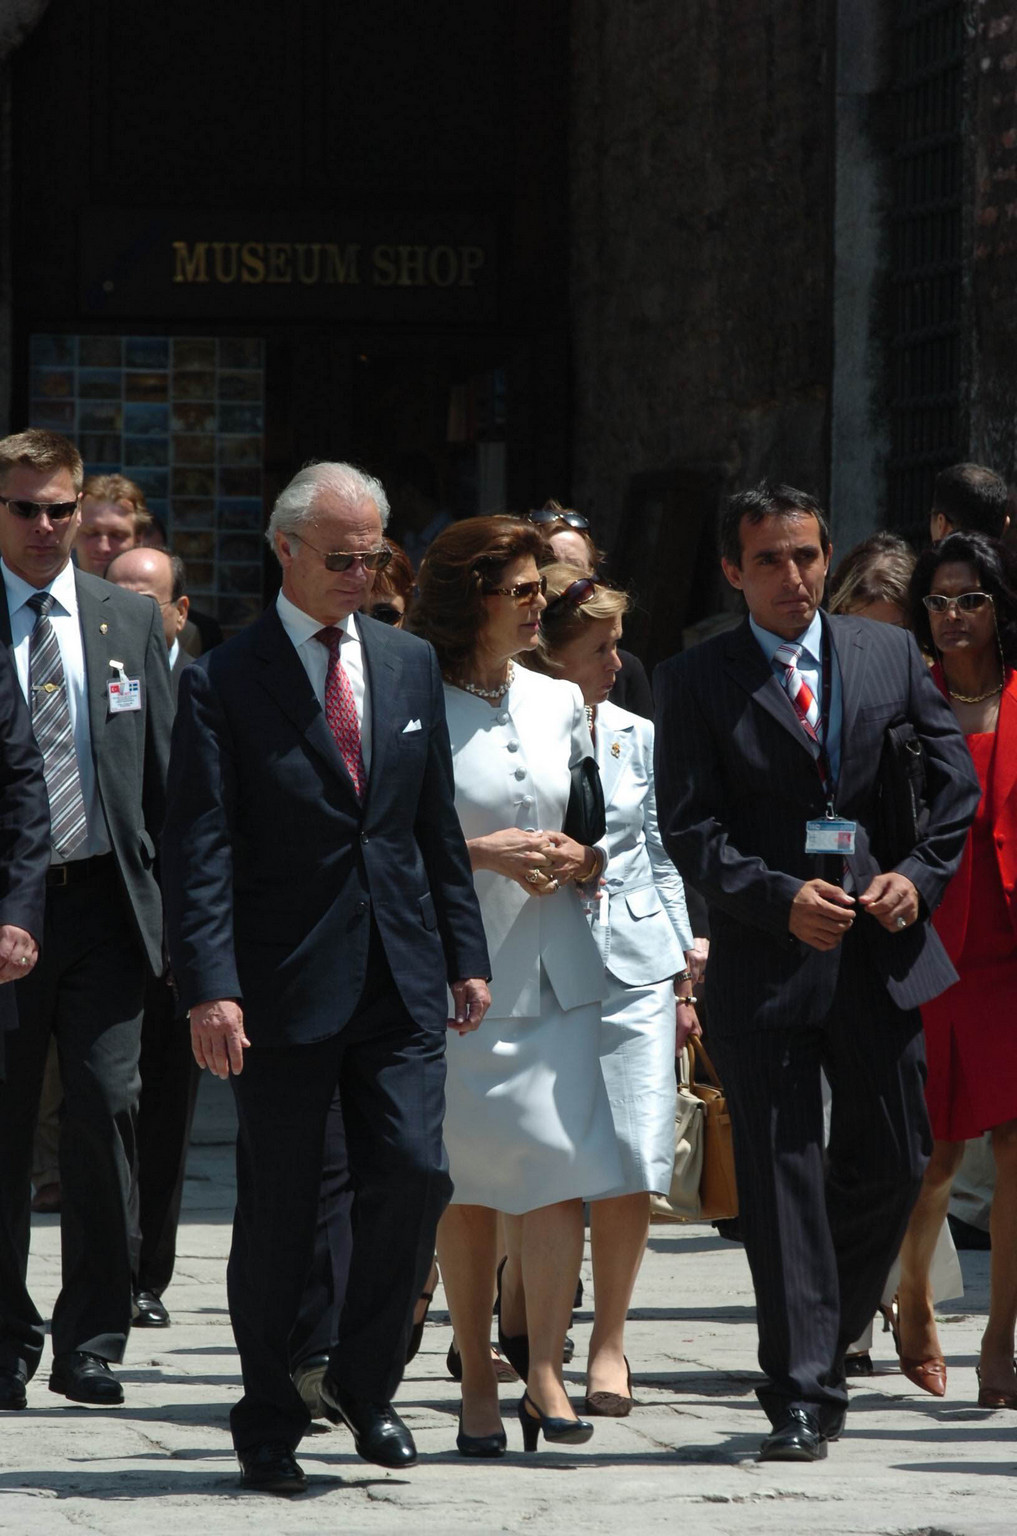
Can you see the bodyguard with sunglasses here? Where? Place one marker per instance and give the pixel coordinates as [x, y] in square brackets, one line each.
[319, 899]
[91, 660]
[767, 762]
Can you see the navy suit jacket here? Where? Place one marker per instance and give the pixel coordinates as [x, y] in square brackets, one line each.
[737, 781]
[272, 867]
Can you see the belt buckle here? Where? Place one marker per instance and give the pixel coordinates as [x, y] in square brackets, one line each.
[59, 875]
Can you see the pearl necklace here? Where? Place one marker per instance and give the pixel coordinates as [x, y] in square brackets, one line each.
[495, 695]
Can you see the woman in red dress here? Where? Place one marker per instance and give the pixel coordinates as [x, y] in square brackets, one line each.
[965, 613]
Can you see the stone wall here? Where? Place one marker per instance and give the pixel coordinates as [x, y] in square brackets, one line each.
[701, 205]
[992, 276]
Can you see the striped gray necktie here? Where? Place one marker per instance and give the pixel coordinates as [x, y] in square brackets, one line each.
[51, 722]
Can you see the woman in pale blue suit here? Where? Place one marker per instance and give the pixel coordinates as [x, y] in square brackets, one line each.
[642, 928]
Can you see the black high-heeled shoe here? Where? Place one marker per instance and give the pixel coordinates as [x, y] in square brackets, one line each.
[516, 1350]
[555, 1431]
[480, 1447]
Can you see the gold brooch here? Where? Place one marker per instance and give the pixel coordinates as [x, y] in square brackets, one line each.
[616, 749]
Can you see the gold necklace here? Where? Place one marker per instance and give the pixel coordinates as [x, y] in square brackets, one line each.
[974, 698]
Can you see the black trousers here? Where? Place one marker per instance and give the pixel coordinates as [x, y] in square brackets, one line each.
[821, 1231]
[169, 1090]
[87, 991]
[316, 1329]
[390, 1074]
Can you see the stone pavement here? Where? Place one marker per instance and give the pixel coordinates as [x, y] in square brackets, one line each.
[683, 1461]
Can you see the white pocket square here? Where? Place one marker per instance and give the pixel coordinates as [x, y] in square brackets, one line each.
[411, 725]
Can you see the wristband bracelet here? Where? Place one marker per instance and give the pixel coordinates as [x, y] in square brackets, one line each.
[687, 1002]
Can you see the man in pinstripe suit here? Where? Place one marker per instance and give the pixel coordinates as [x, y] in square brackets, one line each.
[819, 959]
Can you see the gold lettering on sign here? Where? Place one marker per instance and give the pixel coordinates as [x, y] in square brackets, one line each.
[341, 263]
[316, 262]
[252, 262]
[191, 266]
[225, 273]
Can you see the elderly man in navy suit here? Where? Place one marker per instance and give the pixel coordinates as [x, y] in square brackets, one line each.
[769, 742]
[320, 902]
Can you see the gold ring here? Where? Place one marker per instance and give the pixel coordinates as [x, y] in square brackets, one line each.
[533, 877]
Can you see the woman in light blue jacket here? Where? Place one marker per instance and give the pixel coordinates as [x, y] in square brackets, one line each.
[642, 928]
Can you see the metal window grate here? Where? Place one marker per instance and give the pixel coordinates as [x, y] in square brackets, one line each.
[926, 261]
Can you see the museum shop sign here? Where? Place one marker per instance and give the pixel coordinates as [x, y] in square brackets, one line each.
[158, 264]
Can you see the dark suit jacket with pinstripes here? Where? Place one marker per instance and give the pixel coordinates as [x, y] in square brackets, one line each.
[737, 781]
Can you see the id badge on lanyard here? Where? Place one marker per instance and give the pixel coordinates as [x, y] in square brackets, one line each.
[830, 833]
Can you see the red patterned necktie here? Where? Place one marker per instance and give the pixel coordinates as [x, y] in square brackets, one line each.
[799, 692]
[341, 711]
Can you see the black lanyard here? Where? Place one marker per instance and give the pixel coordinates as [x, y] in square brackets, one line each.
[823, 757]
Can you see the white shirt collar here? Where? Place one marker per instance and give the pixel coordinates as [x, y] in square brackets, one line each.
[62, 587]
[301, 627]
[174, 652]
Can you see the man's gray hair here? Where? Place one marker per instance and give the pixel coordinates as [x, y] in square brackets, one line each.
[294, 506]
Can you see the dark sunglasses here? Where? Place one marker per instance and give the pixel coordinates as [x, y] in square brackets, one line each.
[549, 515]
[523, 591]
[340, 560]
[968, 602]
[387, 613]
[574, 596]
[56, 511]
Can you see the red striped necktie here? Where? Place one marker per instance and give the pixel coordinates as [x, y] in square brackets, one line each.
[799, 692]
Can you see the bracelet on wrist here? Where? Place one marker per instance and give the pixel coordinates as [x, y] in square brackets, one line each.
[687, 1002]
[685, 975]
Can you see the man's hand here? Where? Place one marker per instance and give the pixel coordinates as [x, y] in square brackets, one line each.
[892, 900]
[696, 958]
[18, 952]
[821, 914]
[217, 1036]
[472, 1000]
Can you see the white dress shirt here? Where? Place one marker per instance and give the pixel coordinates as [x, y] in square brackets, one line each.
[174, 652]
[302, 629]
[811, 668]
[67, 627]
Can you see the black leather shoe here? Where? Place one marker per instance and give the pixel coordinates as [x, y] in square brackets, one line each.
[307, 1378]
[149, 1311]
[379, 1434]
[12, 1389]
[85, 1378]
[795, 1436]
[271, 1468]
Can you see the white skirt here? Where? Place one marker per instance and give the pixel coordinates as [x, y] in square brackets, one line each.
[527, 1119]
[637, 1061]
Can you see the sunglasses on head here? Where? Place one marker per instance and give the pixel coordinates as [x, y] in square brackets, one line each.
[543, 515]
[56, 511]
[574, 596]
[968, 602]
[522, 592]
[387, 613]
[341, 560]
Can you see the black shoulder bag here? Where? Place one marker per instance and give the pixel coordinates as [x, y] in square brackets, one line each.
[586, 818]
[902, 815]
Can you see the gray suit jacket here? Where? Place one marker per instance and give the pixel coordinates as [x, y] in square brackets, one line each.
[130, 750]
[736, 782]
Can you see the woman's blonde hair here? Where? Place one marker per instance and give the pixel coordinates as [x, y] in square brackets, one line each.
[569, 613]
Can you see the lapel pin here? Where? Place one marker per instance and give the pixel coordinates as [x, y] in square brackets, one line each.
[103, 629]
[616, 749]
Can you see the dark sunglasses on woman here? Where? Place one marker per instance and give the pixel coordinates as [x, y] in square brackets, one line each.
[523, 591]
[544, 515]
[574, 596]
[968, 602]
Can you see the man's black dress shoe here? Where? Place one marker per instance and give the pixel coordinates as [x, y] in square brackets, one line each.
[149, 1311]
[85, 1378]
[12, 1389]
[271, 1468]
[307, 1377]
[379, 1434]
[795, 1436]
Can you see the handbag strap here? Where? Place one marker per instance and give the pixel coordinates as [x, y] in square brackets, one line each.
[703, 1060]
